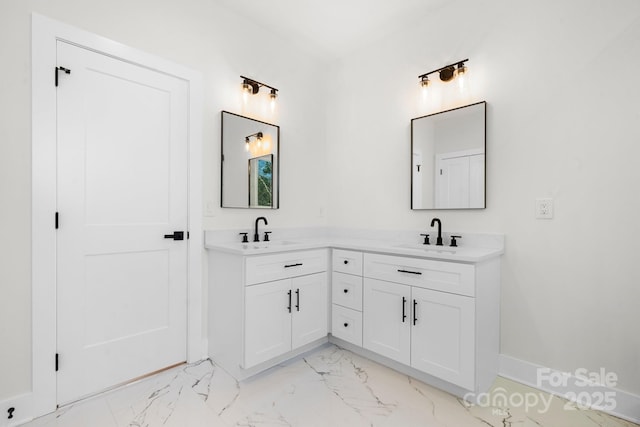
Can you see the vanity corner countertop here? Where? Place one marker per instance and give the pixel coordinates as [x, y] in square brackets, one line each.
[469, 254]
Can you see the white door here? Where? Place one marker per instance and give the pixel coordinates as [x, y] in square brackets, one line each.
[387, 319]
[309, 321]
[122, 186]
[267, 321]
[476, 181]
[452, 183]
[443, 337]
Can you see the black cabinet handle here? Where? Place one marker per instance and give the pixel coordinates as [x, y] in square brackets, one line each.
[293, 265]
[346, 324]
[415, 316]
[177, 235]
[346, 261]
[410, 272]
[404, 314]
[289, 306]
[346, 291]
[298, 299]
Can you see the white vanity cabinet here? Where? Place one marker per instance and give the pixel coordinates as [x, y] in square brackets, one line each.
[266, 308]
[429, 313]
[283, 315]
[346, 295]
[433, 316]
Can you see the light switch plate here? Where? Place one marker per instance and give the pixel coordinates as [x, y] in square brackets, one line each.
[544, 208]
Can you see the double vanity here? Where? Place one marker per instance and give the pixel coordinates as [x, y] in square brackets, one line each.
[427, 308]
[429, 311]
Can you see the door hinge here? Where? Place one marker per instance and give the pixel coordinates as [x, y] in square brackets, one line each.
[57, 362]
[66, 70]
[56, 220]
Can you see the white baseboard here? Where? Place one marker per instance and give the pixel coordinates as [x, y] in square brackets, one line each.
[23, 410]
[568, 385]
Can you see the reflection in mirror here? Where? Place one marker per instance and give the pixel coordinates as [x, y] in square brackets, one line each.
[249, 163]
[448, 159]
[261, 181]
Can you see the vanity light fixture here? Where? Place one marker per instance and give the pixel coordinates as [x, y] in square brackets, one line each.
[247, 140]
[252, 87]
[446, 73]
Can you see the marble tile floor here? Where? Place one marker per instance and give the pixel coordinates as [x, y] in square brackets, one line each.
[330, 387]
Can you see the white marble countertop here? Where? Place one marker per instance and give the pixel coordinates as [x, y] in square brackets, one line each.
[404, 247]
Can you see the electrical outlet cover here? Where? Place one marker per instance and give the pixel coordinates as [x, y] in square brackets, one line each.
[544, 208]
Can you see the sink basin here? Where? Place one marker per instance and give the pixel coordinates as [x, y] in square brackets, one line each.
[267, 245]
[428, 248]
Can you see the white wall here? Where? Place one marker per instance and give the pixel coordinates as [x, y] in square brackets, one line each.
[198, 34]
[561, 83]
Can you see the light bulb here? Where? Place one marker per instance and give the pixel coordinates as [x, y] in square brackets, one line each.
[273, 95]
[461, 82]
[461, 76]
[246, 144]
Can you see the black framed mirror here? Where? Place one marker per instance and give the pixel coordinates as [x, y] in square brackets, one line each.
[448, 159]
[249, 163]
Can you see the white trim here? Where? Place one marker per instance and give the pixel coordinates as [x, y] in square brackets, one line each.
[463, 153]
[627, 405]
[45, 34]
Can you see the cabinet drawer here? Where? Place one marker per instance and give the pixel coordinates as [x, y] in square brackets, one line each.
[425, 273]
[349, 262]
[346, 324]
[266, 268]
[347, 290]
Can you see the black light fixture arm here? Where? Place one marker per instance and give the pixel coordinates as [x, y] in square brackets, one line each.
[258, 135]
[256, 85]
[421, 76]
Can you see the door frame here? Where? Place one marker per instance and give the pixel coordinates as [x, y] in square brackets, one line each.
[45, 34]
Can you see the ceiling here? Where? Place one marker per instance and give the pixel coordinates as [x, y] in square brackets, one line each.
[333, 28]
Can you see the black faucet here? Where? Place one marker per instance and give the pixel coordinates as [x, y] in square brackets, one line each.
[439, 239]
[256, 236]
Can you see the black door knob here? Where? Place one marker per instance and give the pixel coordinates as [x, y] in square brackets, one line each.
[177, 235]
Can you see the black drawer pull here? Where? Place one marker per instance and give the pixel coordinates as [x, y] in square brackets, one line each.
[346, 324]
[289, 306]
[293, 265]
[346, 261]
[298, 299]
[415, 309]
[410, 272]
[346, 291]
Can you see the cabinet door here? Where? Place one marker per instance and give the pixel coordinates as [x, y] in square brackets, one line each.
[267, 321]
[309, 309]
[386, 319]
[443, 336]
